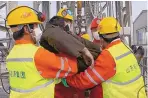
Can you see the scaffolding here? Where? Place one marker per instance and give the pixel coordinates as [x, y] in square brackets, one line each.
[83, 11]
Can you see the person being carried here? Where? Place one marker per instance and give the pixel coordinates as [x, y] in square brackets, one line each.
[57, 37]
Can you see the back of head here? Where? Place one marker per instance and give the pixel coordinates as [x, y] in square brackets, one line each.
[109, 25]
[57, 21]
[23, 17]
[109, 29]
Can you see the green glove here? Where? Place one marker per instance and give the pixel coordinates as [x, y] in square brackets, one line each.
[64, 82]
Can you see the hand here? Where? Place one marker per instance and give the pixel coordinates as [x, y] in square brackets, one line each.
[87, 56]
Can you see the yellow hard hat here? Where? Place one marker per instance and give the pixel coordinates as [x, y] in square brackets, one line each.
[22, 15]
[109, 25]
[65, 13]
[86, 36]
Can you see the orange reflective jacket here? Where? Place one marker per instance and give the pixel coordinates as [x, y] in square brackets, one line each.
[49, 64]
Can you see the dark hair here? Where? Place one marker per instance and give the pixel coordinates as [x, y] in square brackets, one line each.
[18, 34]
[58, 21]
[109, 40]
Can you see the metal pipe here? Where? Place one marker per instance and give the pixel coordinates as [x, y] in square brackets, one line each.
[109, 6]
[58, 5]
[46, 9]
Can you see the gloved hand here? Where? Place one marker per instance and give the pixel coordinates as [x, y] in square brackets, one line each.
[82, 66]
[87, 56]
[64, 82]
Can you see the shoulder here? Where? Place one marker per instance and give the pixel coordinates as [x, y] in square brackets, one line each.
[105, 55]
[43, 53]
[51, 27]
[105, 52]
[51, 30]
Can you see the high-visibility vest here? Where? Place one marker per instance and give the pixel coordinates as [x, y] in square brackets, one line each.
[25, 80]
[127, 82]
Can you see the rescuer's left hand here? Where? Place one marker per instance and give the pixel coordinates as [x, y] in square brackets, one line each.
[88, 58]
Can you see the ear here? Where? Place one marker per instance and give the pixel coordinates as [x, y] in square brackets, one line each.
[26, 30]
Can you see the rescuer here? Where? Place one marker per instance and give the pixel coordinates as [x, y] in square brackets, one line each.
[33, 71]
[116, 69]
[57, 38]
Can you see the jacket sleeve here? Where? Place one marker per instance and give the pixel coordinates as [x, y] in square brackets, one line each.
[103, 69]
[92, 47]
[51, 65]
[62, 41]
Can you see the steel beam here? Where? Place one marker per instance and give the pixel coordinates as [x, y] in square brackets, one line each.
[58, 5]
[3, 5]
[88, 14]
[3, 28]
[109, 8]
[46, 10]
[11, 5]
[36, 5]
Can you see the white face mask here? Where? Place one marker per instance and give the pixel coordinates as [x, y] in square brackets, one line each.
[71, 27]
[96, 36]
[68, 26]
[38, 34]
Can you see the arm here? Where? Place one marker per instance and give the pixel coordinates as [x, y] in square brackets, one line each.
[92, 47]
[87, 43]
[62, 41]
[51, 65]
[92, 76]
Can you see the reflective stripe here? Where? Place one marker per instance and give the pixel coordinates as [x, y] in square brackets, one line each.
[116, 40]
[32, 89]
[66, 74]
[124, 83]
[90, 78]
[96, 73]
[69, 69]
[123, 55]
[62, 67]
[19, 60]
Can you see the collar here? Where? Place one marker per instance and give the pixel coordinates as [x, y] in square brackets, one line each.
[114, 42]
[23, 41]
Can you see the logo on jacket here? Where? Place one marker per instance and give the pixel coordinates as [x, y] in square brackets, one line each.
[17, 74]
